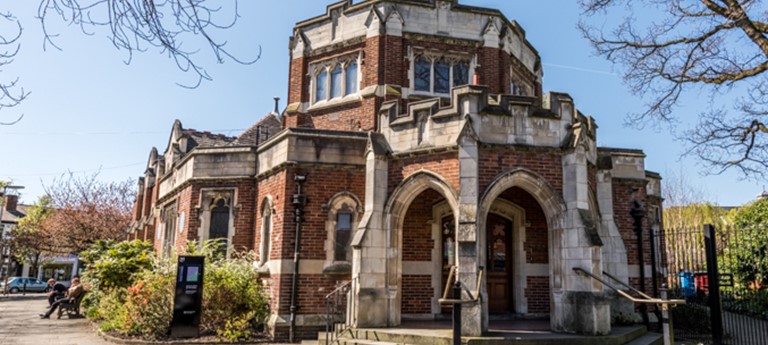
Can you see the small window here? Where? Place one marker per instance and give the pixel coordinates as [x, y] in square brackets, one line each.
[266, 232]
[442, 76]
[343, 232]
[336, 82]
[351, 82]
[321, 90]
[460, 74]
[422, 74]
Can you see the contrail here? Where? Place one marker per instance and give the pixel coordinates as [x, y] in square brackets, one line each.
[579, 69]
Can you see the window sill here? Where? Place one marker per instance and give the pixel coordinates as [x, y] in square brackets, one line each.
[338, 268]
[349, 99]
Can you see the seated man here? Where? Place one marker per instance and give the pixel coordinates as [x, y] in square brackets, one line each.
[58, 290]
[73, 294]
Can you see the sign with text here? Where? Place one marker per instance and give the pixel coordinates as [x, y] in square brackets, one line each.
[188, 298]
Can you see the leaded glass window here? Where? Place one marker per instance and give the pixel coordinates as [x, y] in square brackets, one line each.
[321, 91]
[422, 74]
[351, 79]
[336, 82]
[442, 76]
[343, 232]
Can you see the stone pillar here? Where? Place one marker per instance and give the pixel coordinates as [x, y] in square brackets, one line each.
[582, 306]
[474, 317]
[370, 303]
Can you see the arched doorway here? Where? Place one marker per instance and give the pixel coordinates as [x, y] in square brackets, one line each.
[521, 210]
[414, 275]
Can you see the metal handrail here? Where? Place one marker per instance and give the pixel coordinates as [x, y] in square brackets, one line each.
[626, 285]
[473, 297]
[645, 300]
[332, 304]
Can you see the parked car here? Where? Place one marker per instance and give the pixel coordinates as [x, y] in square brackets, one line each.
[17, 284]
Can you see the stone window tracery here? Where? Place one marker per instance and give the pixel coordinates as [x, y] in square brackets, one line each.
[335, 78]
[343, 214]
[216, 209]
[437, 72]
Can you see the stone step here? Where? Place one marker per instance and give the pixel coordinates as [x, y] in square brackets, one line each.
[648, 339]
[630, 335]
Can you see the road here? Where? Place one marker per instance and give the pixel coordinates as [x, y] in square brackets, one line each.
[20, 324]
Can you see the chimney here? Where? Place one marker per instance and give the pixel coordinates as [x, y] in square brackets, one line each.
[277, 109]
[11, 202]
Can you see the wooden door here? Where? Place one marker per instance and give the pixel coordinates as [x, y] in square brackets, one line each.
[499, 264]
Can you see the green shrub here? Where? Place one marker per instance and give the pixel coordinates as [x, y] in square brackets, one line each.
[233, 300]
[110, 264]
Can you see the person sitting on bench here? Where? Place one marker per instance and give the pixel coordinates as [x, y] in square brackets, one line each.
[58, 291]
[74, 292]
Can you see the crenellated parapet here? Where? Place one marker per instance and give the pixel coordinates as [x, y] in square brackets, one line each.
[495, 119]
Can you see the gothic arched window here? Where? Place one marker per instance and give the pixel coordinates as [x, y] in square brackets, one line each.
[343, 233]
[266, 231]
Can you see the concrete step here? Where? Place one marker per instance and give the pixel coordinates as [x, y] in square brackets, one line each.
[648, 339]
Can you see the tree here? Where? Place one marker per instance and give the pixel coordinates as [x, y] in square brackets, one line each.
[30, 238]
[88, 210]
[683, 46]
[179, 28]
[748, 252]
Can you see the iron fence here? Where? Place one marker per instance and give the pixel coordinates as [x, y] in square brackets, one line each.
[723, 275]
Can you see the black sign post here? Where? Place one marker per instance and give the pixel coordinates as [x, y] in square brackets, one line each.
[189, 297]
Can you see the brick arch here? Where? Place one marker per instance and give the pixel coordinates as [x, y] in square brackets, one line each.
[394, 214]
[551, 204]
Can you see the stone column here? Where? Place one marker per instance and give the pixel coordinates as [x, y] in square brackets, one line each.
[370, 303]
[474, 321]
[581, 307]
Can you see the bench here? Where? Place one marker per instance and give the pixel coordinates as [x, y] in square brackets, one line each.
[71, 308]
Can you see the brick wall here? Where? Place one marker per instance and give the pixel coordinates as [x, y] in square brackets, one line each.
[445, 164]
[622, 204]
[321, 185]
[537, 293]
[417, 294]
[417, 230]
[546, 162]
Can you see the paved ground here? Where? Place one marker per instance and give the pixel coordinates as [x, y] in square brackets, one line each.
[20, 324]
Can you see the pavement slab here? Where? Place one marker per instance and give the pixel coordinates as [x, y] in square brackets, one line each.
[20, 324]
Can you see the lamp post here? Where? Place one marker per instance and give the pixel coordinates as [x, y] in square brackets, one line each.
[638, 213]
[5, 265]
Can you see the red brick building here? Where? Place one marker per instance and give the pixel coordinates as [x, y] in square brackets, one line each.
[416, 138]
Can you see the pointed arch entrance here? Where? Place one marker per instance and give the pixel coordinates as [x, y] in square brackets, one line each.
[533, 273]
[413, 238]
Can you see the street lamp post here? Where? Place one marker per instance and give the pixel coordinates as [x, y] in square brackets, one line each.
[5, 265]
[638, 213]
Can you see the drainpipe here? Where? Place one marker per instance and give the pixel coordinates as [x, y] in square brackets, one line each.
[298, 201]
[638, 212]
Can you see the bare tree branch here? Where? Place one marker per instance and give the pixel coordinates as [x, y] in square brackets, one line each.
[710, 45]
[11, 94]
[135, 25]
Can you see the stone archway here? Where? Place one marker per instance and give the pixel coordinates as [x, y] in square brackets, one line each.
[394, 215]
[554, 210]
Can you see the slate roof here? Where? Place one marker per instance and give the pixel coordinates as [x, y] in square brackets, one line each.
[260, 132]
[14, 216]
[206, 139]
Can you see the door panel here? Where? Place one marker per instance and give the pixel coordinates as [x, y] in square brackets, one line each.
[499, 264]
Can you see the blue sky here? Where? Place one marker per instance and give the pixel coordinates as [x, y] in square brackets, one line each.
[89, 111]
